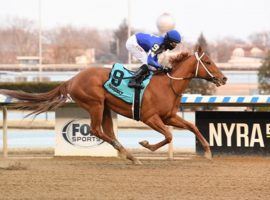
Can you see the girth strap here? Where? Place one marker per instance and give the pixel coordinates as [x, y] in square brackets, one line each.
[136, 104]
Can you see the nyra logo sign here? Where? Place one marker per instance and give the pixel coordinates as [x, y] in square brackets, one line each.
[243, 134]
[78, 133]
[235, 132]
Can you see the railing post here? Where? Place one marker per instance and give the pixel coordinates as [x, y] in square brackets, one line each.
[5, 146]
[170, 146]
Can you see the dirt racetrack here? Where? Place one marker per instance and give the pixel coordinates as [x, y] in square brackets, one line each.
[113, 178]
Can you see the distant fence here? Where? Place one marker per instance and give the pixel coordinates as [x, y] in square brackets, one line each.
[76, 67]
[186, 100]
[45, 67]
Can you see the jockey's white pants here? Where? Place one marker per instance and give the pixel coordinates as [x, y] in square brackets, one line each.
[137, 51]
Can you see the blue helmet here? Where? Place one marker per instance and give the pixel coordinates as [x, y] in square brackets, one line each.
[173, 36]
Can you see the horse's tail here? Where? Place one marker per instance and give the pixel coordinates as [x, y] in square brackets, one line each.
[39, 102]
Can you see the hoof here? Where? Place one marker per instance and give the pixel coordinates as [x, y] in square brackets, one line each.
[208, 155]
[137, 162]
[122, 155]
[144, 143]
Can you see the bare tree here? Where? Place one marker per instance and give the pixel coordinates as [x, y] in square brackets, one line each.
[261, 39]
[224, 47]
[18, 38]
[120, 38]
[67, 42]
[223, 50]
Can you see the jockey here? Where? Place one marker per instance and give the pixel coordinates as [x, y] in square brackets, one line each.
[146, 47]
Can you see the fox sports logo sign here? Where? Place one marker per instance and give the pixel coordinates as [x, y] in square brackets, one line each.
[78, 133]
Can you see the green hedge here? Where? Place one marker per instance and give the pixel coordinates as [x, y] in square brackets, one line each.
[32, 87]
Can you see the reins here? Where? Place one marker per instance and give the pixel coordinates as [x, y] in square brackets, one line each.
[178, 79]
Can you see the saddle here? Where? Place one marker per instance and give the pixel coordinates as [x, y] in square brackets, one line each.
[117, 85]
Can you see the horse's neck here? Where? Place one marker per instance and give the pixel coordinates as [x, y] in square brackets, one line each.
[184, 71]
[180, 86]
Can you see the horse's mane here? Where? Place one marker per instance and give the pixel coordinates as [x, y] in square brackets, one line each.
[174, 60]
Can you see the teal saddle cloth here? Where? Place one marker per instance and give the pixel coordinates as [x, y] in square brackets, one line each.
[117, 84]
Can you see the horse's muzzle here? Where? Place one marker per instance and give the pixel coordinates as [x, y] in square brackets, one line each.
[219, 81]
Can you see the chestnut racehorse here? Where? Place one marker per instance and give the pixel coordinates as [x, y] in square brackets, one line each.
[160, 103]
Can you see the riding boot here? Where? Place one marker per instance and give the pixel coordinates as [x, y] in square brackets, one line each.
[138, 77]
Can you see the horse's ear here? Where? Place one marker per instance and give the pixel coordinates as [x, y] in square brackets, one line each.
[199, 49]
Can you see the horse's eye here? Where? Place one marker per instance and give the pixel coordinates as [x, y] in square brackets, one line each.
[207, 62]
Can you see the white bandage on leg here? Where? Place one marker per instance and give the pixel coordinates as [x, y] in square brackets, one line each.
[136, 50]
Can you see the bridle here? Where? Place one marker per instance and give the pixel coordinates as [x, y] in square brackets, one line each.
[199, 61]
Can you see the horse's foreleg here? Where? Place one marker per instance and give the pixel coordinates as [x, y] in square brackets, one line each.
[156, 123]
[181, 123]
[107, 126]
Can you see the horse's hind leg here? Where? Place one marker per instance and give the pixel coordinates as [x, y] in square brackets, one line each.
[107, 126]
[181, 123]
[107, 123]
[96, 113]
[157, 124]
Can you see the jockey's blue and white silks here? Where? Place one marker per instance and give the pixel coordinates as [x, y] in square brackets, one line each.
[147, 41]
[151, 44]
[146, 47]
[117, 84]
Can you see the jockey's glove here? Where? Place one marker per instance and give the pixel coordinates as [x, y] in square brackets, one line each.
[166, 69]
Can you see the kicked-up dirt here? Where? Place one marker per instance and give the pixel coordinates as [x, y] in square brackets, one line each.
[113, 178]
